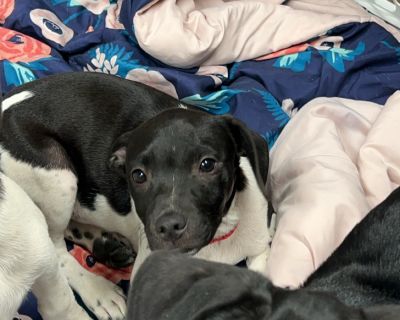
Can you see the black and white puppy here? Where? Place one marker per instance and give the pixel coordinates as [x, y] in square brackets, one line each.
[359, 281]
[128, 159]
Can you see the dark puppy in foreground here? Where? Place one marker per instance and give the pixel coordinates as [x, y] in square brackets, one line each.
[361, 280]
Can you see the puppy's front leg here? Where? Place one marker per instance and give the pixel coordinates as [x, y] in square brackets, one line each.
[102, 297]
[55, 297]
[54, 191]
[28, 260]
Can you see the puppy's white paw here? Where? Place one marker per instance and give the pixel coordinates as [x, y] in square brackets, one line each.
[102, 297]
[259, 263]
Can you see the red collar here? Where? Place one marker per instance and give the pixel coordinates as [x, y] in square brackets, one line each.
[224, 236]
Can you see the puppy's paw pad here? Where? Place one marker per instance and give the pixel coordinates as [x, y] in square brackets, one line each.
[113, 250]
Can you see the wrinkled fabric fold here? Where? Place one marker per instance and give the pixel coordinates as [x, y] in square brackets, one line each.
[334, 161]
[191, 33]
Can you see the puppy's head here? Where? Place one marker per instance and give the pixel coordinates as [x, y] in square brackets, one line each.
[182, 168]
[175, 286]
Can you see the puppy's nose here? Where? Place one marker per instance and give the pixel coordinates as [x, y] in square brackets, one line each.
[170, 226]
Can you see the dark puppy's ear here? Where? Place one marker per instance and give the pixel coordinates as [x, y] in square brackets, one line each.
[118, 154]
[253, 146]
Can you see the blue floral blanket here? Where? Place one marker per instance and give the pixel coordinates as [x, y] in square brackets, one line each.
[41, 37]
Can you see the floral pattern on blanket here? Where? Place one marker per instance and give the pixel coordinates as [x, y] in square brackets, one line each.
[334, 56]
[396, 49]
[43, 37]
[98, 36]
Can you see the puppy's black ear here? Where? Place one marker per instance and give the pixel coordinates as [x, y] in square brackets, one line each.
[252, 146]
[118, 154]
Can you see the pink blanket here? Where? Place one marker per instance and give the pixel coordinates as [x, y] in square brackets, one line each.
[334, 161]
[189, 33]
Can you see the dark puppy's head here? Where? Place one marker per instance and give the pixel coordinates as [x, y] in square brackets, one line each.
[182, 168]
[175, 286]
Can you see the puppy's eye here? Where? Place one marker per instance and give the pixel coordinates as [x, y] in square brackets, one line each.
[139, 176]
[207, 165]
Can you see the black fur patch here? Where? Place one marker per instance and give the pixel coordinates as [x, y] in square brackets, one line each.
[77, 233]
[88, 235]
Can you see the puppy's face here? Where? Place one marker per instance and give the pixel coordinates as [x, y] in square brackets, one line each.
[182, 168]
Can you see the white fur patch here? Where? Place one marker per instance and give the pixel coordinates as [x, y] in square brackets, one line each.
[182, 106]
[21, 254]
[28, 260]
[15, 99]
[54, 191]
